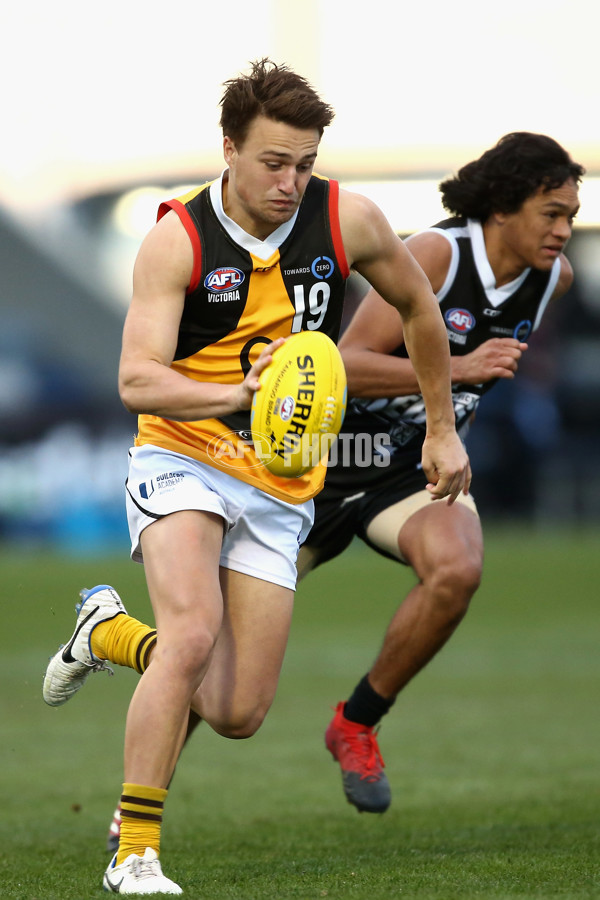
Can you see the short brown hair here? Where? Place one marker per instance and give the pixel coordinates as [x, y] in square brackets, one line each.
[274, 91]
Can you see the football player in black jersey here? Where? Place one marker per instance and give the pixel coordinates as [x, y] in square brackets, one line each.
[493, 266]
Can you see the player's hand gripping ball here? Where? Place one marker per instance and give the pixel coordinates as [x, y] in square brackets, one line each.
[299, 409]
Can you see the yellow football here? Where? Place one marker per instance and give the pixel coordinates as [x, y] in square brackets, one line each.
[298, 410]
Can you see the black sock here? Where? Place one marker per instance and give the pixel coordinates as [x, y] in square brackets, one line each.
[366, 706]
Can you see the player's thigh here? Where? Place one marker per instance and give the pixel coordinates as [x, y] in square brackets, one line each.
[181, 562]
[307, 560]
[425, 533]
[242, 677]
[444, 542]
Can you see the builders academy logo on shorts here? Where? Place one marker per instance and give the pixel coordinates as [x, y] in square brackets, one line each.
[163, 483]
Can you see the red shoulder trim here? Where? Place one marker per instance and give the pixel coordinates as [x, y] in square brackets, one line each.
[336, 231]
[187, 222]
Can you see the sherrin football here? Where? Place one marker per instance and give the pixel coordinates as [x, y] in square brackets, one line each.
[298, 410]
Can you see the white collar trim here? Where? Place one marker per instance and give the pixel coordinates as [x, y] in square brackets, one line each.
[495, 295]
[261, 249]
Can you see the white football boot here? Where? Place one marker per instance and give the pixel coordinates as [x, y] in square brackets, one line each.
[69, 668]
[138, 875]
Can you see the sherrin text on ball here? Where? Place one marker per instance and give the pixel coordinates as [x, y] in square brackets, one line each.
[299, 409]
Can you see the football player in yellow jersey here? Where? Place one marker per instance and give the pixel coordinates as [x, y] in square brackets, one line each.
[219, 550]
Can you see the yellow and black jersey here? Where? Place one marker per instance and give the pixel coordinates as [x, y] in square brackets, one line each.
[242, 295]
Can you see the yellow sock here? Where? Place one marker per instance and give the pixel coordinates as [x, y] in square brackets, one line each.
[124, 641]
[141, 818]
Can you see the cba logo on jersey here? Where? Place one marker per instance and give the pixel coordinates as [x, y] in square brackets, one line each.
[225, 278]
[459, 320]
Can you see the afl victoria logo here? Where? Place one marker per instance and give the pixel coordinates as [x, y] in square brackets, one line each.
[459, 320]
[223, 279]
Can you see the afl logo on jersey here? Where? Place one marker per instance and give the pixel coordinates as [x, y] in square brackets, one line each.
[459, 320]
[223, 279]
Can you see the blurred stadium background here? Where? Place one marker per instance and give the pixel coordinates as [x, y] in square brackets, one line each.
[101, 131]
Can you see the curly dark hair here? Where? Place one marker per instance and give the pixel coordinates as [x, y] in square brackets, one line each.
[274, 91]
[507, 174]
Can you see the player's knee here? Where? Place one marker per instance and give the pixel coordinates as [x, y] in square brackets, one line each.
[187, 653]
[454, 582]
[239, 724]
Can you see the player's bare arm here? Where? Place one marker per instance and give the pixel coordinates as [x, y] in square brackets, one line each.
[496, 358]
[565, 279]
[380, 256]
[147, 384]
[376, 331]
[433, 252]
[372, 335]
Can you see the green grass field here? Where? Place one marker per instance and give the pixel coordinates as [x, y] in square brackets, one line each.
[492, 752]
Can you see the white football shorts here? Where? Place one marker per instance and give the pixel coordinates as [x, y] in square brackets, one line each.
[268, 532]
